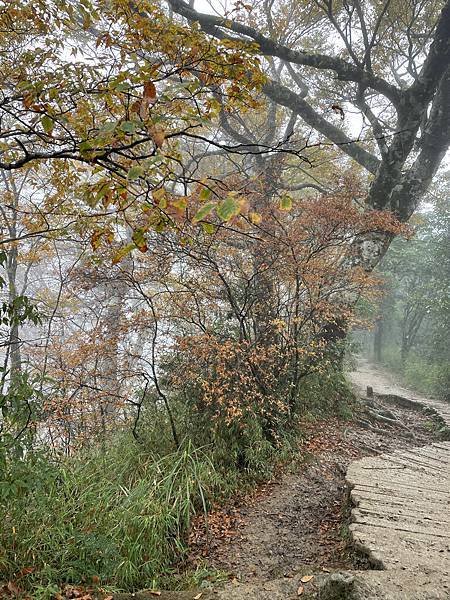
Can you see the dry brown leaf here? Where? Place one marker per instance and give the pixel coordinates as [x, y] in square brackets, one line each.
[339, 110]
[150, 91]
[198, 596]
[158, 135]
[25, 571]
[306, 578]
[155, 593]
[300, 590]
[12, 587]
[143, 109]
[135, 107]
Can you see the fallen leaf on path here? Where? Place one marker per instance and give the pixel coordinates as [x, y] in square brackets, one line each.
[300, 590]
[198, 596]
[306, 578]
[155, 593]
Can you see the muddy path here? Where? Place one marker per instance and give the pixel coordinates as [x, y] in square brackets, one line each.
[298, 524]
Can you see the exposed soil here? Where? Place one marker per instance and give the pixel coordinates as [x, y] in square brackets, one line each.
[298, 523]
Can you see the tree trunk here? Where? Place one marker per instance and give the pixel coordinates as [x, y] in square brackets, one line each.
[114, 297]
[378, 339]
[404, 351]
[14, 333]
[10, 218]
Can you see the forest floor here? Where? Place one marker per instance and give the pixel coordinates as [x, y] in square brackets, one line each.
[298, 524]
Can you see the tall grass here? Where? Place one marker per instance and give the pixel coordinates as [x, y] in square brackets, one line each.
[122, 517]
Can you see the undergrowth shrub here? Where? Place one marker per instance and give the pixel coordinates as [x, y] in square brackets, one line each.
[429, 378]
[326, 394]
[420, 374]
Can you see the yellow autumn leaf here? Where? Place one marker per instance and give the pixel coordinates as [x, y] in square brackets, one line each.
[255, 218]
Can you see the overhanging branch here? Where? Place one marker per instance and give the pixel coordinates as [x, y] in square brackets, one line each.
[344, 70]
[282, 95]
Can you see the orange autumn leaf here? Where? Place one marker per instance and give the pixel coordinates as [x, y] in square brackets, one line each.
[25, 571]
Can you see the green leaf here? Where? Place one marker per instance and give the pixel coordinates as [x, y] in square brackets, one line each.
[205, 193]
[228, 208]
[108, 127]
[122, 252]
[203, 212]
[128, 127]
[208, 228]
[139, 239]
[122, 87]
[47, 124]
[135, 172]
[86, 145]
[180, 204]
[103, 191]
[285, 203]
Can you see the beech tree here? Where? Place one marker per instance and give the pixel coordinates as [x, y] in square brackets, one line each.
[387, 61]
[132, 124]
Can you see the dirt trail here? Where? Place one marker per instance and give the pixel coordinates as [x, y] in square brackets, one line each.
[387, 384]
[382, 381]
[297, 526]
